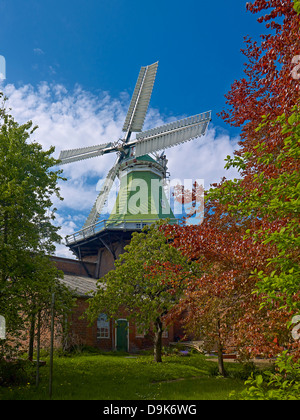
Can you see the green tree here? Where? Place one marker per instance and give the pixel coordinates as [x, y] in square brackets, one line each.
[39, 283]
[146, 283]
[27, 234]
[27, 186]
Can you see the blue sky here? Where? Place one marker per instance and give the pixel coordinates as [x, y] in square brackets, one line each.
[101, 45]
[71, 67]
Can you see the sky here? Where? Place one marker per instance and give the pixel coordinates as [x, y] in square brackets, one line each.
[71, 68]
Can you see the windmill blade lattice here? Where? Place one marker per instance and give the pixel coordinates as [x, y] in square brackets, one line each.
[74, 155]
[172, 134]
[135, 118]
[103, 195]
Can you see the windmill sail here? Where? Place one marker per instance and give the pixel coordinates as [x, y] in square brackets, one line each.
[140, 99]
[103, 195]
[171, 134]
[74, 155]
[146, 142]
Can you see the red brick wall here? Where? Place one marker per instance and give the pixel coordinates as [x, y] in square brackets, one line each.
[74, 267]
[86, 334]
[81, 332]
[89, 266]
[107, 259]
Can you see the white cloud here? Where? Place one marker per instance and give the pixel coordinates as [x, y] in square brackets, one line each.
[77, 118]
[38, 51]
[203, 158]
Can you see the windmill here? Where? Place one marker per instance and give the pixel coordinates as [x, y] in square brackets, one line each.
[133, 155]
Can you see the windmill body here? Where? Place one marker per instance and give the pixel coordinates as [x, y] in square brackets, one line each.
[141, 199]
[141, 194]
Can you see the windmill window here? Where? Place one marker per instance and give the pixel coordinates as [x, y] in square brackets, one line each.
[138, 225]
[103, 327]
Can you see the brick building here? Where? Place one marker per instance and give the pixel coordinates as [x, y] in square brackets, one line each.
[105, 334]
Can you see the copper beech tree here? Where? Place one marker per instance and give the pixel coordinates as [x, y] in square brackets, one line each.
[220, 307]
[266, 106]
[238, 239]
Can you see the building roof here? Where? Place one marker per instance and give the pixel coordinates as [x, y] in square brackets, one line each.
[81, 286]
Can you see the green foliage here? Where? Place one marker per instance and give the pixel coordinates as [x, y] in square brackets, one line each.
[297, 6]
[282, 194]
[27, 234]
[272, 196]
[27, 185]
[243, 371]
[147, 281]
[284, 384]
[16, 372]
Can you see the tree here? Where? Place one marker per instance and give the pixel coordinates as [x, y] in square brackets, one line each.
[275, 202]
[26, 190]
[27, 235]
[248, 221]
[35, 296]
[268, 160]
[219, 306]
[146, 283]
[273, 198]
[268, 87]
[266, 105]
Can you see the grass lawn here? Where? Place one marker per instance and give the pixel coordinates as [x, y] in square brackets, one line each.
[122, 377]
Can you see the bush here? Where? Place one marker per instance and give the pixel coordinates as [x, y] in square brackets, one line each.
[169, 351]
[214, 371]
[16, 372]
[283, 384]
[245, 371]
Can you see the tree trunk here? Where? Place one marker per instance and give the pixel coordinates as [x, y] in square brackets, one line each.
[5, 240]
[220, 351]
[31, 337]
[37, 381]
[158, 340]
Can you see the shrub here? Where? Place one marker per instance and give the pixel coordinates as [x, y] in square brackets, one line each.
[283, 384]
[16, 372]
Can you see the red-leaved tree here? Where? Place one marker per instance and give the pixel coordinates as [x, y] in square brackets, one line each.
[222, 304]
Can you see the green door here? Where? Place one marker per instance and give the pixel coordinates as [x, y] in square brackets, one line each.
[122, 335]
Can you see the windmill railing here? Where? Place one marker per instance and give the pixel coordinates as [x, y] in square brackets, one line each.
[112, 224]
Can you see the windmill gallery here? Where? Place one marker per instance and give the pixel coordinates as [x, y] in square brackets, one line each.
[141, 201]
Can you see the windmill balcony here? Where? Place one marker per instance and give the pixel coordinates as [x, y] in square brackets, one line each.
[111, 224]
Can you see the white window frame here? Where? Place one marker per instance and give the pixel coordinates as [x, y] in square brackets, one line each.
[101, 334]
